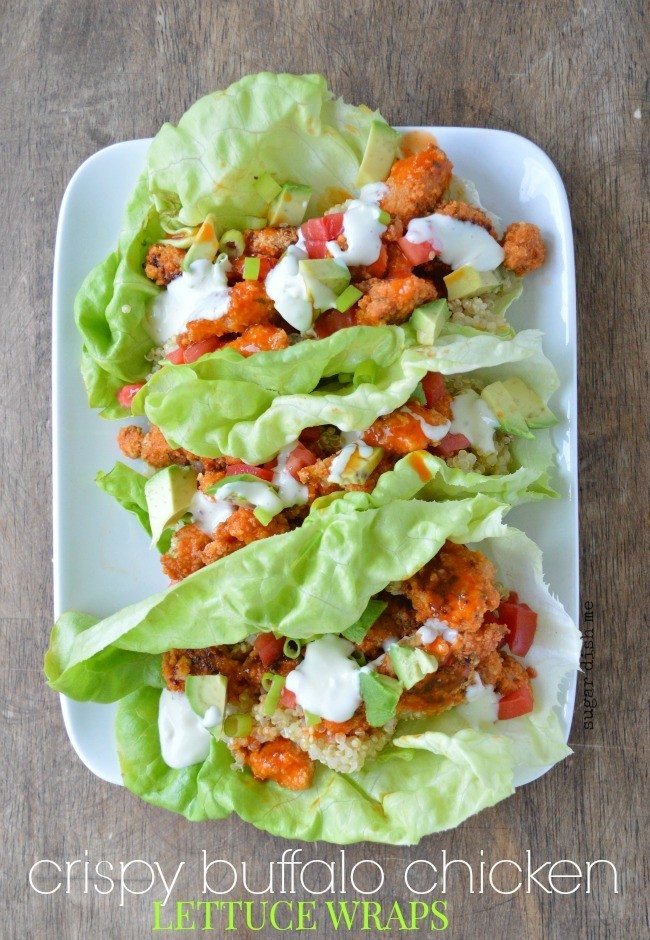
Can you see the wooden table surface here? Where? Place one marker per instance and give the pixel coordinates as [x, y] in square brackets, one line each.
[77, 76]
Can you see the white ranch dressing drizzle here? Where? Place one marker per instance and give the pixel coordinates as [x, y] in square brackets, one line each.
[432, 628]
[247, 493]
[201, 293]
[208, 513]
[290, 491]
[475, 419]
[433, 432]
[481, 705]
[327, 681]
[184, 739]
[342, 459]
[287, 289]
[361, 228]
[457, 243]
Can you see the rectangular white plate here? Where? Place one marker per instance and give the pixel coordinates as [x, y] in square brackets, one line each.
[102, 560]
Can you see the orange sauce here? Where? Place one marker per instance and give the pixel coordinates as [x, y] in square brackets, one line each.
[417, 462]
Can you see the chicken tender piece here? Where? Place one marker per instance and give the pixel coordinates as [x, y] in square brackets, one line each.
[283, 761]
[185, 555]
[524, 248]
[238, 530]
[163, 263]
[416, 184]
[504, 672]
[438, 691]
[271, 242]
[457, 586]
[249, 305]
[129, 440]
[464, 212]
[393, 300]
[401, 432]
[260, 338]
[396, 622]
[157, 453]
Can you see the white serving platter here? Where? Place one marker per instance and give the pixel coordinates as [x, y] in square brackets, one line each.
[102, 559]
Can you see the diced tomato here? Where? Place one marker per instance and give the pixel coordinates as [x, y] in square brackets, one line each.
[268, 648]
[398, 264]
[434, 388]
[176, 356]
[514, 704]
[127, 393]
[236, 468]
[451, 444]
[195, 350]
[417, 253]
[332, 321]
[288, 698]
[521, 622]
[299, 457]
[324, 229]
[316, 249]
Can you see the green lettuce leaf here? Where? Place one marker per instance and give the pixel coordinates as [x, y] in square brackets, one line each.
[433, 775]
[279, 583]
[287, 125]
[251, 408]
[126, 486]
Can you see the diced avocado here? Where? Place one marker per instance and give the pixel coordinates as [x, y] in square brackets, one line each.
[290, 206]
[468, 282]
[168, 494]
[359, 467]
[207, 696]
[428, 321]
[535, 412]
[324, 280]
[267, 187]
[205, 245]
[500, 401]
[380, 152]
[411, 664]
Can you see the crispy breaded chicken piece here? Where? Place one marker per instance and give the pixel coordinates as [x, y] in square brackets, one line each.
[504, 672]
[401, 432]
[438, 691]
[163, 263]
[464, 212]
[185, 555]
[416, 184]
[280, 760]
[457, 586]
[238, 530]
[260, 338]
[524, 248]
[249, 305]
[392, 300]
[397, 621]
[150, 446]
[271, 242]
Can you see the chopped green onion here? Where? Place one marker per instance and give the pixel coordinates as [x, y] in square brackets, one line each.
[266, 186]
[267, 680]
[384, 217]
[272, 699]
[358, 657]
[238, 726]
[349, 297]
[365, 373]
[291, 649]
[251, 269]
[312, 719]
[232, 242]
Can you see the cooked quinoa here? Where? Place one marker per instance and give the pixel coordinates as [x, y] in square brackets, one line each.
[478, 313]
[493, 464]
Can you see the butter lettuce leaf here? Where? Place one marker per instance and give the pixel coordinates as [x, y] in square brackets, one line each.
[251, 408]
[280, 583]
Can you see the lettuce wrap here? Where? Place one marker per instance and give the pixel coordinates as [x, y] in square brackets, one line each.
[434, 774]
[207, 164]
